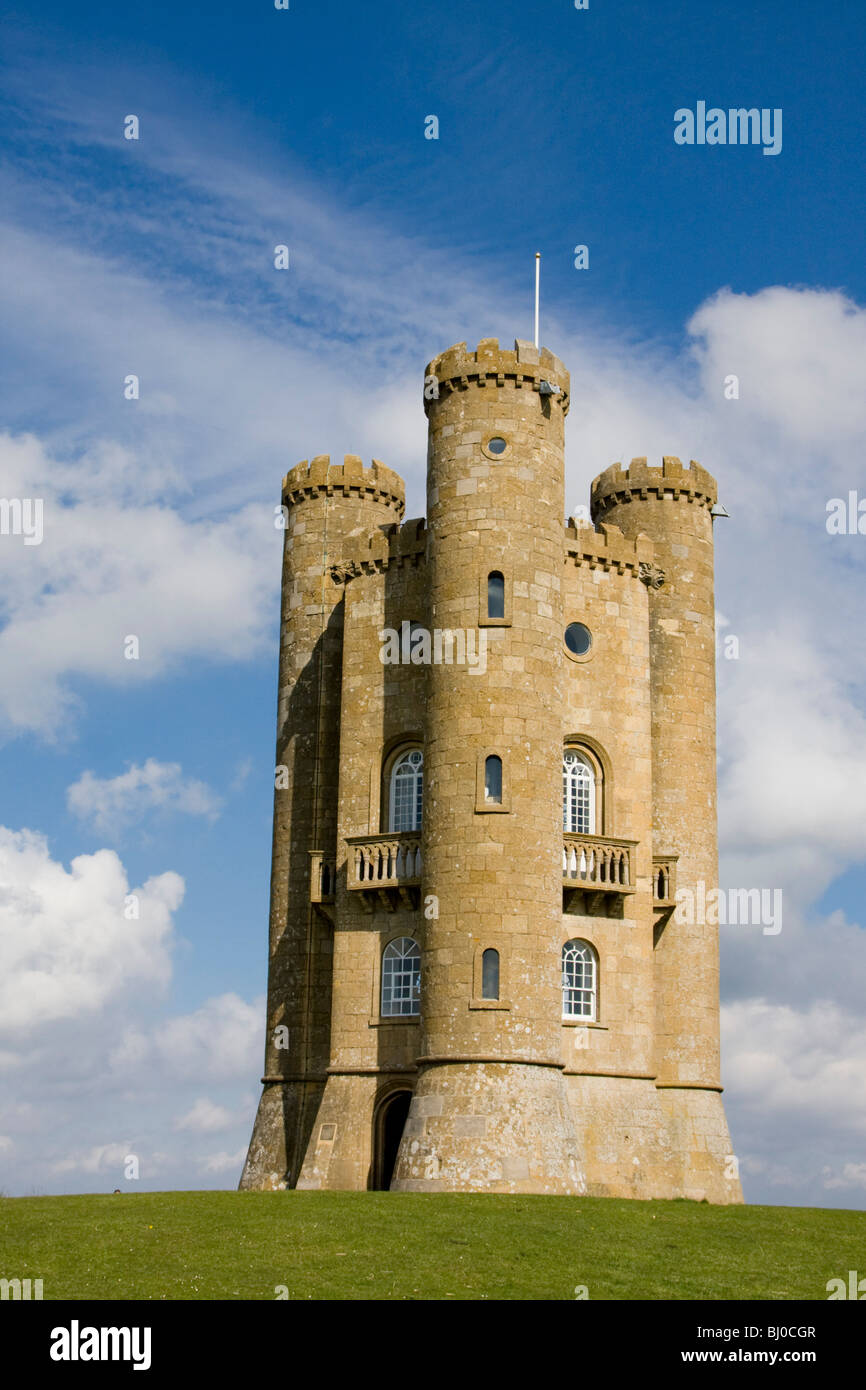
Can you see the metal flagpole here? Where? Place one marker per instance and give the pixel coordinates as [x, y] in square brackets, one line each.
[537, 278]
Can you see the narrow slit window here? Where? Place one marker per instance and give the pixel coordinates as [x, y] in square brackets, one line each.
[490, 974]
[493, 778]
[496, 594]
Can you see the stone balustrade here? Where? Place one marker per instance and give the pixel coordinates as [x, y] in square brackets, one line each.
[387, 866]
[597, 864]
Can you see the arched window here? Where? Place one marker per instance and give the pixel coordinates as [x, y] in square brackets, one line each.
[579, 981]
[490, 974]
[401, 978]
[493, 778]
[578, 794]
[495, 594]
[407, 788]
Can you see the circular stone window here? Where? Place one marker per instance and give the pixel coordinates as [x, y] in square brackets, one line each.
[578, 639]
[495, 446]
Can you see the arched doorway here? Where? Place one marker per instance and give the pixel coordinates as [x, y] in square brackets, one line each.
[388, 1131]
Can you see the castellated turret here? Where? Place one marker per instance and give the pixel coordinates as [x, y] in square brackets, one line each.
[673, 505]
[495, 764]
[324, 505]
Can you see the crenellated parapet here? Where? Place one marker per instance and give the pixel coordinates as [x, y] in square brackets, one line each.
[676, 480]
[319, 477]
[606, 548]
[525, 367]
[387, 546]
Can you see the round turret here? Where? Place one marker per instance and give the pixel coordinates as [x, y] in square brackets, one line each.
[672, 505]
[493, 800]
[323, 505]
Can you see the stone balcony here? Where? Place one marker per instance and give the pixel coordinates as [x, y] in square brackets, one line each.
[385, 869]
[597, 864]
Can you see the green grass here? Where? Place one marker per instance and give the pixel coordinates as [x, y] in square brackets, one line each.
[379, 1245]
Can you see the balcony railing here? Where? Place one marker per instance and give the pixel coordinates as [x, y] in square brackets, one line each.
[386, 867]
[597, 864]
[664, 880]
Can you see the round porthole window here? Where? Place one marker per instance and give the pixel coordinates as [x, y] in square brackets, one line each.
[495, 447]
[578, 639]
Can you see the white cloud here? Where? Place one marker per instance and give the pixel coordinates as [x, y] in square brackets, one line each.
[795, 1098]
[793, 743]
[242, 772]
[799, 358]
[84, 1024]
[224, 1162]
[146, 1101]
[106, 571]
[66, 947]
[852, 1175]
[205, 1117]
[112, 802]
[101, 1158]
[805, 1067]
[221, 1040]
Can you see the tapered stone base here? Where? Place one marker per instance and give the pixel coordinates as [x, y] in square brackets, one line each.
[489, 1127]
[642, 1141]
[704, 1166]
[280, 1135]
[339, 1153]
[622, 1134]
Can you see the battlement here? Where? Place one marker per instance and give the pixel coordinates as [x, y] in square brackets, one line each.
[525, 364]
[386, 546]
[605, 547]
[320, 476]
[674, 479]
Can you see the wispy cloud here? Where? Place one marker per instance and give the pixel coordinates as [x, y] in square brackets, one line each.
[205, 1118]
[113, 803]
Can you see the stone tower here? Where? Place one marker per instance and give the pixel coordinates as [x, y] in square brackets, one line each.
[672, 505]
[495, 762]
[490, 1085]
[323, 504]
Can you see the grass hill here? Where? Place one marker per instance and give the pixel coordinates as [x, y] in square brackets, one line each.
[379, 1245]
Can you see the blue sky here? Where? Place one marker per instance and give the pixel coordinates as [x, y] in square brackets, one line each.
[155, 257]
[554, 124]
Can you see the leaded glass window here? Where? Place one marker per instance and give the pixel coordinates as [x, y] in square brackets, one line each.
[407, 789]
[579, 980]
[401, 978]
[578, 794]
